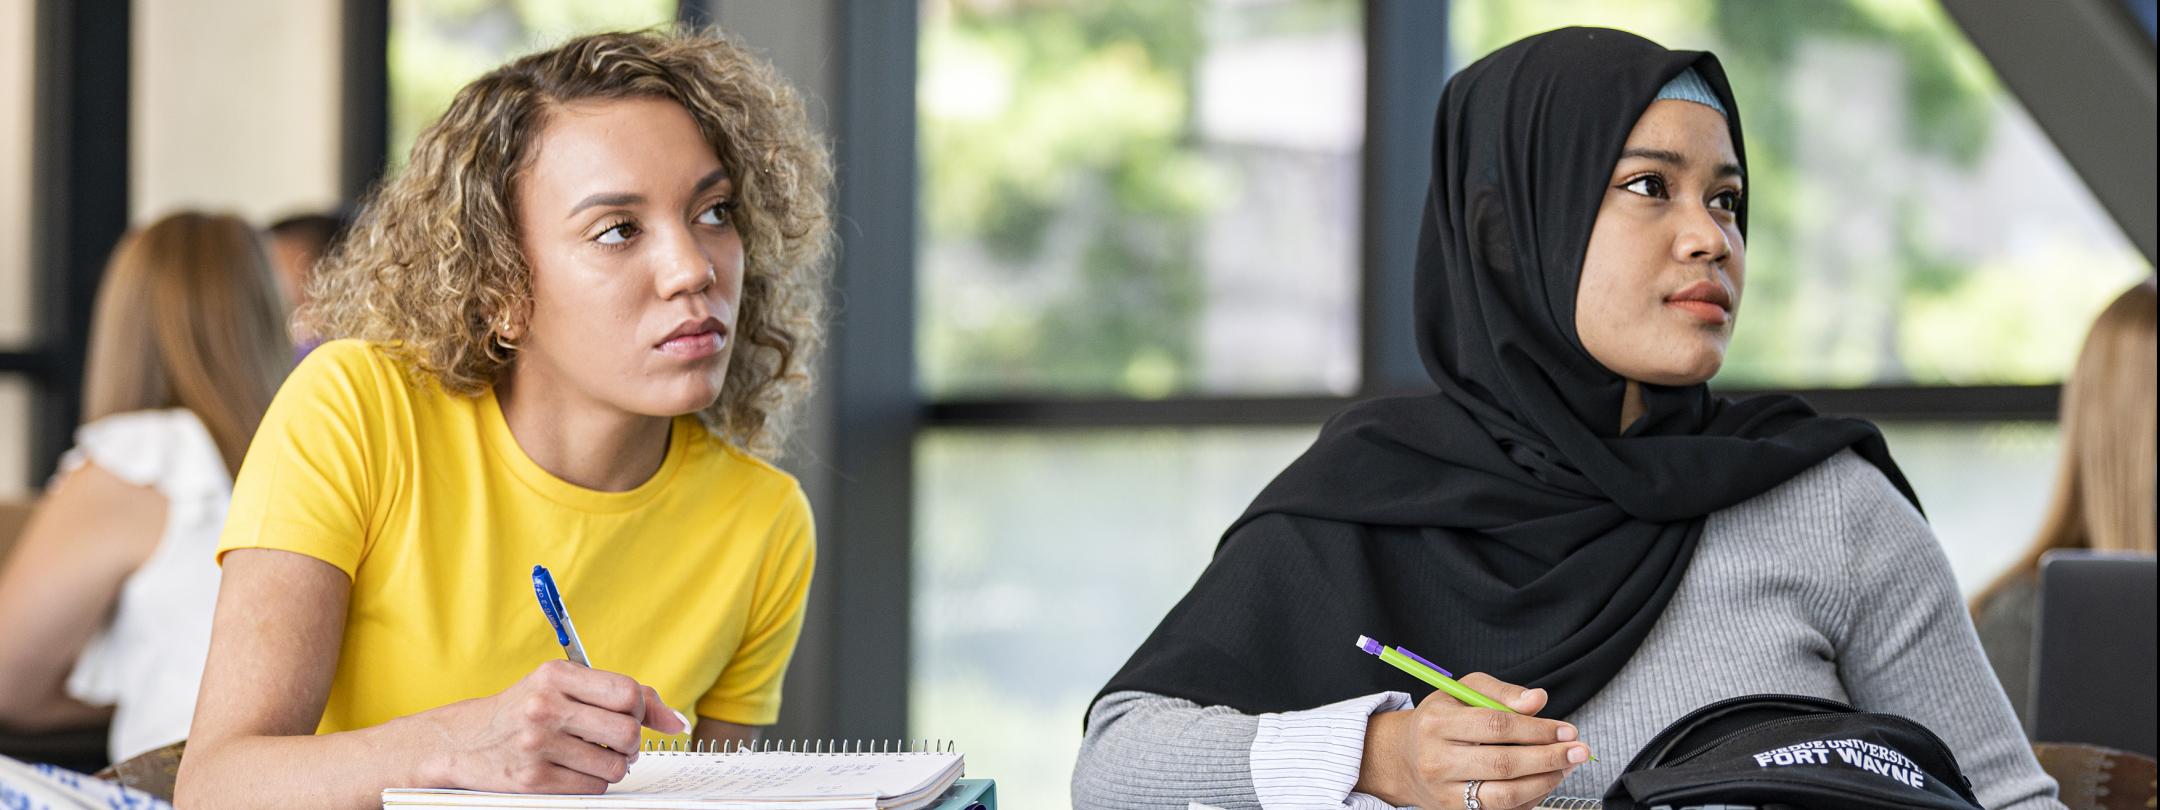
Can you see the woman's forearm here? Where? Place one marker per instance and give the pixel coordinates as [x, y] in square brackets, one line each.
[1160, 753]
[36, 711]
[58, 586]
[563, 728]
[343, 770]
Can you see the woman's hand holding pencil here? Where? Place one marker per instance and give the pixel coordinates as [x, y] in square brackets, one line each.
[1447, 752]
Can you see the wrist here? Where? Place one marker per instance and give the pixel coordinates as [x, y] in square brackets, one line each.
[1378, 774]
[420, 745]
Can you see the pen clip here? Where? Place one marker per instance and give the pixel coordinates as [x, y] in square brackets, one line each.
[1421, 659]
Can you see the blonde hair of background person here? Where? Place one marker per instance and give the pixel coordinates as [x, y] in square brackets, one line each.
[2104, 488]
[565, 212]
[187, 347]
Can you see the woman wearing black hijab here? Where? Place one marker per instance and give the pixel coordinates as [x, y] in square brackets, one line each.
[1573, 511]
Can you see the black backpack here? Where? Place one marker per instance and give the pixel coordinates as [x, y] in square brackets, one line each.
[1787, 752]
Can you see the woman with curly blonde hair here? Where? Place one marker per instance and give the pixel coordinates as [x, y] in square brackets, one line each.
[568, 334]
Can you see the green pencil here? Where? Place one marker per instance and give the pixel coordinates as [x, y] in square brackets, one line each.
[1419, 669]
[1423, 670]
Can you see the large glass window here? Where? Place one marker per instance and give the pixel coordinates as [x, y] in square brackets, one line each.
[1909, 224]
[1122, 197]
[1983, 485]
[436, 46]
[1042, 559]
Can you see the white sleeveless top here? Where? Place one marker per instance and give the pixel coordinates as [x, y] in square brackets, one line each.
[148, 660]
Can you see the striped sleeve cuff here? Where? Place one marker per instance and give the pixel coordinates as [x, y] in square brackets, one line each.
[1311, 758]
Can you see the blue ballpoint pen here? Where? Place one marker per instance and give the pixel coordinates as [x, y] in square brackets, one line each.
[558, 616]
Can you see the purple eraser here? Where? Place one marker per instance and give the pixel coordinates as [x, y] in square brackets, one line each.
[1421, 659]
[1368, 645]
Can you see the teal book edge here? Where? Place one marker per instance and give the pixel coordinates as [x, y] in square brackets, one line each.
[969, 794]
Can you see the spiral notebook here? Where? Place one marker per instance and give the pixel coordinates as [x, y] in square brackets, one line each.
[794, 774]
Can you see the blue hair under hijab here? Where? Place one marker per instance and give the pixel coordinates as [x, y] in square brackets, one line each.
[1689, 86]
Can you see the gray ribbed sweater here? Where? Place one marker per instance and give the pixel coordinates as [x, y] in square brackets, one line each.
[1829, 585]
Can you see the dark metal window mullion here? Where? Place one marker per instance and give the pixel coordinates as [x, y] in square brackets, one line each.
[80, 148]
[365, 131]
[1405, 68]
[1909, 403]
[876, 406]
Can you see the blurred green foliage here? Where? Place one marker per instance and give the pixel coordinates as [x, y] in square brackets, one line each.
[1055, 151]
[1064, 188]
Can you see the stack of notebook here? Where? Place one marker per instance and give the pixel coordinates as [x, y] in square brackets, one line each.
[728, 780]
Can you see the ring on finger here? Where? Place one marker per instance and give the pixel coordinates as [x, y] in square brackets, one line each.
[1469, 795]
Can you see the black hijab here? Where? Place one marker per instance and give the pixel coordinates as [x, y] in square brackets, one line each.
[1504, 524]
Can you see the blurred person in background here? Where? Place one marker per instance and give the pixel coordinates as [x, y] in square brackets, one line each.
[2104, 489]
[296, 243]
[107, 597]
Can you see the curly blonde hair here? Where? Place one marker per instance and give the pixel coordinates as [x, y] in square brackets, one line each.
[433, 263]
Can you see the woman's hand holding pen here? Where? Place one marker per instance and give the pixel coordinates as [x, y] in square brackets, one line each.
[1427, 756]
[563, 728]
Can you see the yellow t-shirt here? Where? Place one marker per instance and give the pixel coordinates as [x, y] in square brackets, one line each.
[693, 583]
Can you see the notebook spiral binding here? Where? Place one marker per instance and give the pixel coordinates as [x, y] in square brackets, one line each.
[800, 746]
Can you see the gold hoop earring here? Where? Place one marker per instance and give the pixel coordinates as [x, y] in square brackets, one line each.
[497, 333]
